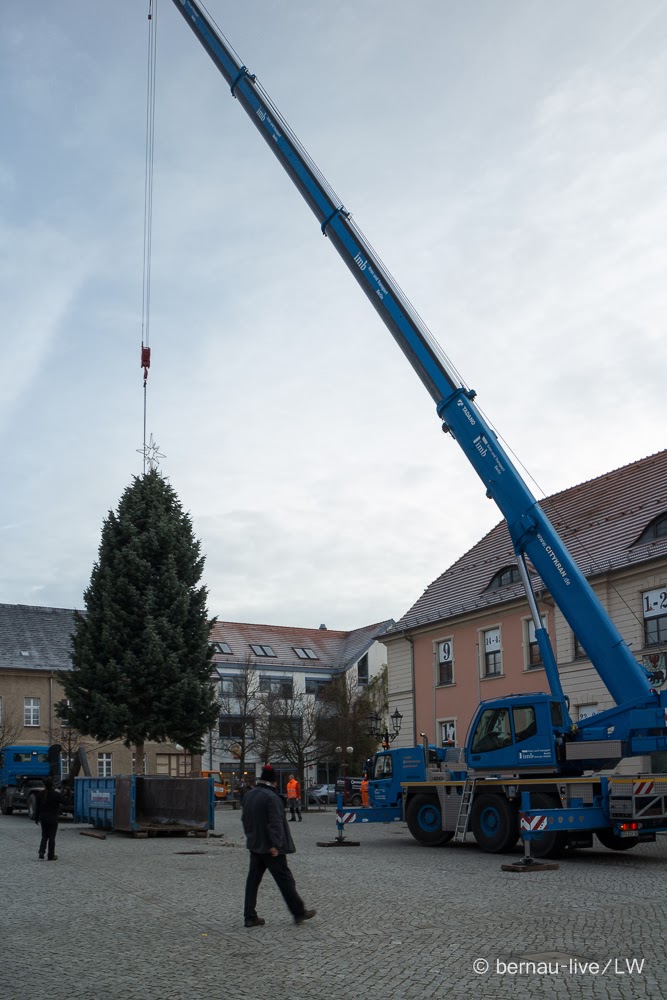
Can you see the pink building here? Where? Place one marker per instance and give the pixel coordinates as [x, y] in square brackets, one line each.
[470, 637]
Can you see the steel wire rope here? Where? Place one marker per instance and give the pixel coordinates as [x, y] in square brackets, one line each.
[148, 201]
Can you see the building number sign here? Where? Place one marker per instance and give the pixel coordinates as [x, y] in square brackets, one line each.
[654, 602]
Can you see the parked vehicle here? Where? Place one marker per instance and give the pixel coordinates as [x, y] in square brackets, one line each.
[22, 773]
[350, 789]
[322, 794]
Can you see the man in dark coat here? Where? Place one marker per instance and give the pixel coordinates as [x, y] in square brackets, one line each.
[269, 841]
[48, 810]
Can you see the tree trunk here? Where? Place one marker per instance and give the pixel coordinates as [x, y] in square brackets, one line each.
[139, 758]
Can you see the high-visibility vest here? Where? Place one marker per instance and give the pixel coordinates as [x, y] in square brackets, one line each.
[293, 789]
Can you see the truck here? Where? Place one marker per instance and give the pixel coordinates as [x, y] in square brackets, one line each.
[525, 763]
[23, 769]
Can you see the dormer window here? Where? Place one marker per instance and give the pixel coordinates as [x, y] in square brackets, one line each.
[221, 647]
[261, 650]
[656, 530]
[504, 577]
[305, 653]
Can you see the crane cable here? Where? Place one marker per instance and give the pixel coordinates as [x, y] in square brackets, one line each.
[148, 203]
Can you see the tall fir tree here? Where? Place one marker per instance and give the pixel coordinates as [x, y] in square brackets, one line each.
[141, 654]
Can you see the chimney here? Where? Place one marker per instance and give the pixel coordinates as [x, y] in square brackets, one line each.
[324, 627]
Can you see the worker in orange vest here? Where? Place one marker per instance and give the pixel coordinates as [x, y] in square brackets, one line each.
[364, 791]
[294, 797]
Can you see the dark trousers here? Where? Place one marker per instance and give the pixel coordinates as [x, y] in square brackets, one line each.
[49, 830]
[294, 806]
[282, 876]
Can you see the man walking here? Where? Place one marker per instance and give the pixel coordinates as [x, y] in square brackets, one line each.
[294, 797]
[269, 841]
[48, 809]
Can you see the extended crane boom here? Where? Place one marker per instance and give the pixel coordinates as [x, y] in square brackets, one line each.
[533, 536]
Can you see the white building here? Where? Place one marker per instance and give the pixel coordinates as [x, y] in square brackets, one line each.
[289, 662]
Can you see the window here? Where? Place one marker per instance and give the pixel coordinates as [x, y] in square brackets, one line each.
[655, 530]
[104, 765]
[305, 653]
[221, 647]
[524, 721]
[493, 730]
[504, 577]
[31, 711]
[654, 604]
[448, 732]
[362, 670]
[261, 650]
[534, 653]
[578, 650]
[134, 758]
[231, 686]
[493, 657]
[66, 761]
[283, 687]
[445, 669]
[383, 767]
[317, 686]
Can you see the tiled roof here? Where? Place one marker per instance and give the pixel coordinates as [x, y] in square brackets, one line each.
[33, 638]
[44, 635]
[599, 520]
[335, 650]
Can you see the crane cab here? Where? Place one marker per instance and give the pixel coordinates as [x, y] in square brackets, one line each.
[517, 733]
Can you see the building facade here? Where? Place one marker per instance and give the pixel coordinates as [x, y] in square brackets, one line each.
[34, 653]
[470, 637]
[253, 662]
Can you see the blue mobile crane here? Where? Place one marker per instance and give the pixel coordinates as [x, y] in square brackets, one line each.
[516, 743]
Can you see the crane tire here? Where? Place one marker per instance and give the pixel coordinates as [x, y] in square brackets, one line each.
[494, 823]
[424, 819]
[550, 843]
[615, 843]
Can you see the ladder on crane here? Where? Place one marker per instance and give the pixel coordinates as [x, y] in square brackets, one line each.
[464, 810]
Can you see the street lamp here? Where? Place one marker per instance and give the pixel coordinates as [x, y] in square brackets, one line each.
[343, 751]
[378, 729]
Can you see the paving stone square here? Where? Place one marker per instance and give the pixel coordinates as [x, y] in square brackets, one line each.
[161, 919]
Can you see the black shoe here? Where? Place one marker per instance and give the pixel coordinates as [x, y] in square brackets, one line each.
[41, 857]
[291, 820]
[254, 922]
[299, 819]
[53, 857]
[306, 915]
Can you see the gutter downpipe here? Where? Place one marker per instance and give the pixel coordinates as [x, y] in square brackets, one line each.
[414, 693]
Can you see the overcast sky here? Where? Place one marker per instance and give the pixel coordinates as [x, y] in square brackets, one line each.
[507, 160]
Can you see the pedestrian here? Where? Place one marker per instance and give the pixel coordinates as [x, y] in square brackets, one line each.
[269, 841]
[48, 810]
[364, 790]
[294, 797]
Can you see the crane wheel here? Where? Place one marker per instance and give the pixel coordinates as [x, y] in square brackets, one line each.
[494, 823]
[615, 843]
[550, 843]
[424, 819]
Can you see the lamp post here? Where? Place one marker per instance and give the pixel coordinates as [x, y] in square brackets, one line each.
[378, 729]
[343, 751]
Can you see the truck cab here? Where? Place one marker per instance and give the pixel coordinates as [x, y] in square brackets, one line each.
[22, 773]
[390, 768]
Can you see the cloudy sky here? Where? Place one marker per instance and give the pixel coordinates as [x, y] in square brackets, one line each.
[509, 163]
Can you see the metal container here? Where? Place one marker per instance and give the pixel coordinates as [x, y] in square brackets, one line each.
[146, 804]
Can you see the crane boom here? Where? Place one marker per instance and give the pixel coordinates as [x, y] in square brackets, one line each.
[533, 536]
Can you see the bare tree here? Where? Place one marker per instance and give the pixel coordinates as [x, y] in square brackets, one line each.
[238, 699]
[343, 718]
[287, 730]
[11, 727]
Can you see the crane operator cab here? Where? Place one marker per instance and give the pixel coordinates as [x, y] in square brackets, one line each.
[515, 733]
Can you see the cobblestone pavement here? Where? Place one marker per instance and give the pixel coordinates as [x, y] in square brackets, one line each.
[161, 919]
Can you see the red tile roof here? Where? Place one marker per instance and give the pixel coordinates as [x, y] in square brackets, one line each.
[600, 521]
[335, 650]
